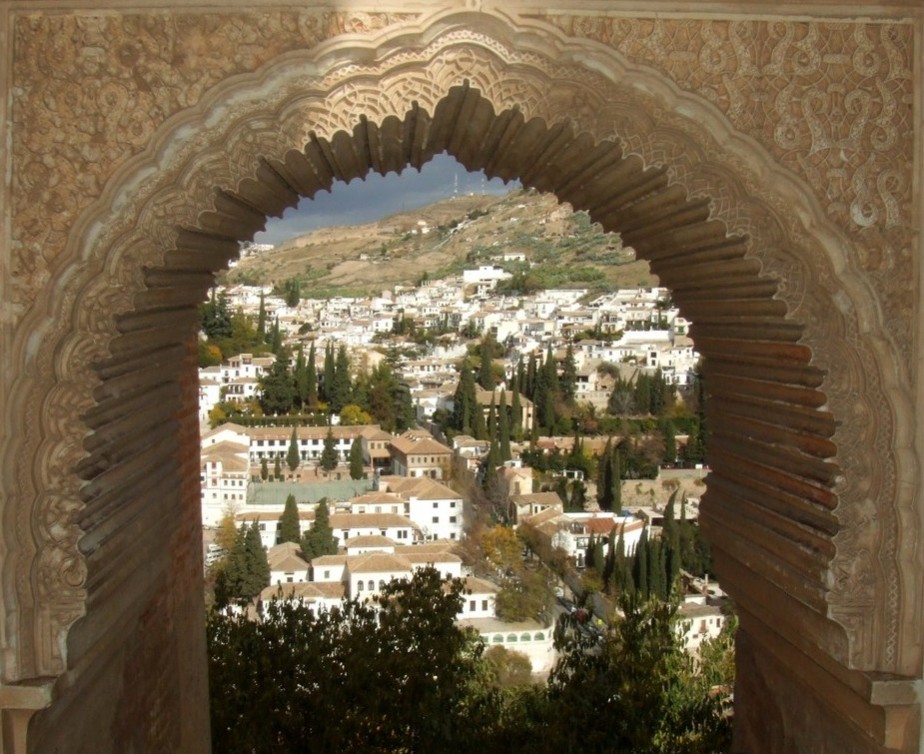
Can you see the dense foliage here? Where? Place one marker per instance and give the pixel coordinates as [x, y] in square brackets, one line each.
[408, 679]
[357, 679]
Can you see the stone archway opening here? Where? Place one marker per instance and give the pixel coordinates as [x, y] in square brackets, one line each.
[771, 442]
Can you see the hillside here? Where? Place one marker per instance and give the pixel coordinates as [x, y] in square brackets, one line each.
[565, 249]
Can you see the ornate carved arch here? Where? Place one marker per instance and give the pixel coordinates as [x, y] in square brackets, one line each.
[706, 203]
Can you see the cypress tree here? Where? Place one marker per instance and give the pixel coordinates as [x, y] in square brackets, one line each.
[656, 569]
[604, 480]
[670, 441]
[493, 460]
[264, 469]
[530, 385]
[256, 568]
[328, 383]
[550, 368]
[671, 540]
[503, 428]
[329, 459]
[319, 539]
[479, 432]
[293, 457]
[276, 342]
[289, 528]
[342, 386]
[277, 469]
[591, 552]
[599, 557]
[516, 416]
[492, 421]
[261, 319]
[569, 377]
[234, 570]
[616, 480]
[310, 398]
[277, 387]
[464, 404]
[641, 566]
[485, 370]
[519, 380]
[301, 377]
[619, 562]
[356, 459]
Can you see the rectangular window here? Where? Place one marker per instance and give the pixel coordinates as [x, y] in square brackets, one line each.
[452, 519]
[484, 604]
[436, 519]
[471, 606]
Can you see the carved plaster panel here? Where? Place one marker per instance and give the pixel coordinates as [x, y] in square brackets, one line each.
[115, 191]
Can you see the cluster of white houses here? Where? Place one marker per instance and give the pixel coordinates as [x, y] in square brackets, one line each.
[637, 330]
[367, 563]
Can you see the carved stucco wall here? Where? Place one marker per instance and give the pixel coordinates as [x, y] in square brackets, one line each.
[801, 132]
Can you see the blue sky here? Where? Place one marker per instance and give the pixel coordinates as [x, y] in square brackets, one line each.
[362, 201]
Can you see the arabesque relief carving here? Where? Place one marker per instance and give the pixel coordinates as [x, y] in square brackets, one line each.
[110, 101]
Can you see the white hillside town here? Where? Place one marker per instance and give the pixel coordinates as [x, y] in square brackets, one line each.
[398, 499]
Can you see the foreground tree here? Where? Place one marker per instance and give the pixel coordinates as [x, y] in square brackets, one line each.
[356, 679]
[637, 692]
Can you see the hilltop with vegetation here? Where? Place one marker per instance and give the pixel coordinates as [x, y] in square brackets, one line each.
[564, 249]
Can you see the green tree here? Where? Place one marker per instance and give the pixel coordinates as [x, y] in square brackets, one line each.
[261, 318]
[341, 387]
[670, 442]
[215, 316]
[319, 539]
[277, 387]
[328, 374]
[246, 571]
[289, 526]
[485, 363]
[637, 692]
[396, 676]
[264, 469]
[516, 416]
[329, 455]
[464, 403]
[310, 395]
[503, 428]
[568, 381]
[357, 469]
[277, 469]
[276, 337]
[293, 457]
